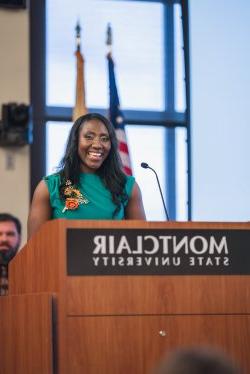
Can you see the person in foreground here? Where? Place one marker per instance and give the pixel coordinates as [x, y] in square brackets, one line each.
[90, 183]
[197, 360]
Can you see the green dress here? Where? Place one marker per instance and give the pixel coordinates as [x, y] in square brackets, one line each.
[100, 204]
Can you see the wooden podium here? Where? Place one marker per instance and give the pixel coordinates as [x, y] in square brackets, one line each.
[53, 322]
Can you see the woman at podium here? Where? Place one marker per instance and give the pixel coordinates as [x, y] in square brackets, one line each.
[90, 183]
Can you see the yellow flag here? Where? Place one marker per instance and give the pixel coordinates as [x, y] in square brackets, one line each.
[80, 106]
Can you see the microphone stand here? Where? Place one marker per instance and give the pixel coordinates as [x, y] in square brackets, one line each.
[146, 166]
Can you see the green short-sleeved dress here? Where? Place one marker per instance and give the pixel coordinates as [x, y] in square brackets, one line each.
[100, 205]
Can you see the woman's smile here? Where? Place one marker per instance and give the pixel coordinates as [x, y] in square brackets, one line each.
[96, 155]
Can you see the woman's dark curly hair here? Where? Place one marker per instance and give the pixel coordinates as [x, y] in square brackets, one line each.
[110, 171]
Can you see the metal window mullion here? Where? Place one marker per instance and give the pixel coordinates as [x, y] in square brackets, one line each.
[170, 164]
[131, 116]
[185, 23]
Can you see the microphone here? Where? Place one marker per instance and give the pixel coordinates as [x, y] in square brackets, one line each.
[144, 165]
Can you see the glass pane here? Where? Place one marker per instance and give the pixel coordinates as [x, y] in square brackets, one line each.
[56, 138]
[148, 147]
[146, 144]
[180, 95]
[137, 52]
[181, 174]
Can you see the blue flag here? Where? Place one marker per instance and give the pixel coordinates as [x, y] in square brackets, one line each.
[117, 118]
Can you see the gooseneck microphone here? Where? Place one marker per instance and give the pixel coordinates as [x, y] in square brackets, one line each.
[144, 165]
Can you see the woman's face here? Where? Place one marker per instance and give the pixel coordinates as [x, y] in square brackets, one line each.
[93, 145]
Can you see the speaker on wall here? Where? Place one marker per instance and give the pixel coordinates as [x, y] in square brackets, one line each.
[16, 125]
[14, 4]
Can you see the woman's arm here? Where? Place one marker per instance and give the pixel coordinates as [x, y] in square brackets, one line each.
[40, 210]
[135, 209]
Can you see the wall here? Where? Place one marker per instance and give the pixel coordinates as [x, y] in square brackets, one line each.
[220, 84]
[14, 78]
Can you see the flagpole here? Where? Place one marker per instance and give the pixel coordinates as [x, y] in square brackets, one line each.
[109, 40]
[80, 106]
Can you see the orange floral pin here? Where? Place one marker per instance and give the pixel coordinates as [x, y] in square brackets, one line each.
[73, 197]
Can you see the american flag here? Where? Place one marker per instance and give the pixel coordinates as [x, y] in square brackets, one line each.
[117, 118]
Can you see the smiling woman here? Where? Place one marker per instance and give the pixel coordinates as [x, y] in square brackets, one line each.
[90, 183]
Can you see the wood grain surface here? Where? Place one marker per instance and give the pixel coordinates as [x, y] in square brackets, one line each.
[112, 324]
[26, 334]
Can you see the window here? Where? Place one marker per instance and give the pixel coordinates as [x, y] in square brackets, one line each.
[137, 52]
[149, 68]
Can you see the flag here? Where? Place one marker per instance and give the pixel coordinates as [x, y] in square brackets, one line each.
[117, 119]
[80, 106]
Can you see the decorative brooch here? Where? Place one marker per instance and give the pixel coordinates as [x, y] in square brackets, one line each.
[73, 197]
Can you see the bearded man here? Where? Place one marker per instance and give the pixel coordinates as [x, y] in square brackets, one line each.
[10, 238]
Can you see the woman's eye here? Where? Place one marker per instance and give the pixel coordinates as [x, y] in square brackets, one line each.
[89, 137]
[104, 139]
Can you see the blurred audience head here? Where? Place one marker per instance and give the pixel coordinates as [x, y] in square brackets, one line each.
[197, 360]
[10, 237]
